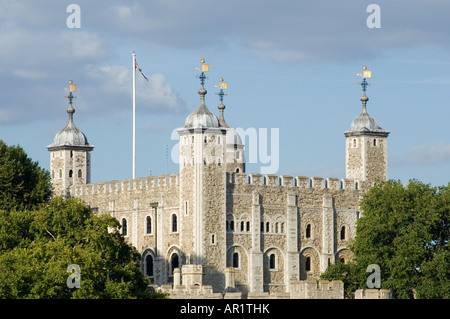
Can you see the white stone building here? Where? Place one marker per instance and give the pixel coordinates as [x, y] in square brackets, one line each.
[271, 230]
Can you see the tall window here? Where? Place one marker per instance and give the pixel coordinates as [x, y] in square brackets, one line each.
[124, 227]
[174, 263]
[343, 233]
[308, 264]
[272, 261]
[70, 173]
[149, 265]
[148, 225]
[79, 173]
[174, 223]
[248, 226]
[236, 260]
[308, 231]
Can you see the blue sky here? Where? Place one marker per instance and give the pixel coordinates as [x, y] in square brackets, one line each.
[289, 65]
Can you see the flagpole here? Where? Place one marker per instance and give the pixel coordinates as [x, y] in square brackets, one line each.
[134, 115]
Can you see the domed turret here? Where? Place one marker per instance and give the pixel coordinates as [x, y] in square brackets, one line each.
[364, 122]
[201, 117]
[70, 135]
[70, 158]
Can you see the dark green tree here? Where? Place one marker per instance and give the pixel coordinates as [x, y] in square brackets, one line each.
[23, 184]
[405, 230]
[36, 247]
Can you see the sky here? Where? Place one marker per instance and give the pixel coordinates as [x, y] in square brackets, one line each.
[291, 68]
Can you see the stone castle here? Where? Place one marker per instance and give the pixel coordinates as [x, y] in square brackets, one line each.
[221, 226]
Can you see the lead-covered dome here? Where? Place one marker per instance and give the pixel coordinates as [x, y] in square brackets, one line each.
[201, 117]
[364, 122]
[70, 135]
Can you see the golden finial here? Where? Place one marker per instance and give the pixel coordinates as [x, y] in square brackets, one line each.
[365, 75]
[204, 68]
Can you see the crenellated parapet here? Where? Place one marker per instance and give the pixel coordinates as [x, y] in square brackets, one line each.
[127, 185]
[295, 182]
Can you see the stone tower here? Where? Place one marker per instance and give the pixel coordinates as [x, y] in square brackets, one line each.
[70, 155]
[204, 165]
[366, 146]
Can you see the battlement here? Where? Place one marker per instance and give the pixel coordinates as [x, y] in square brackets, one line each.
[322, 289]
[297, 181]
[126, 185]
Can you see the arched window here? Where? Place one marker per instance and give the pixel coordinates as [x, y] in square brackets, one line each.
[242, 226]
[342, 260]
[237, 170]
[53, 174]
[248, 226]
[272, 261]
[70, 173]
[282, 227]
[308, 231]
[149, 265]
[262, 226]
[124, 227]
[276, 227]
[374, 142]
[231, 225]
[148, 224]
[236, 260]
[308, 264]
[79, 173]
[174, 263]
[267, 227]
[174, 223]
[343, 233]
[354, 142]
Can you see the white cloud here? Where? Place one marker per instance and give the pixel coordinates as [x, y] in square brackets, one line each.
[154, 95]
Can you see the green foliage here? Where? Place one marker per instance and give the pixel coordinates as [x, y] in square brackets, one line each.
[23, 184]
[405, 230]
[351, 274]
[36, 247]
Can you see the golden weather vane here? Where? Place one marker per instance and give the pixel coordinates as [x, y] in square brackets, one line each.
[204, 68]
[72, 88]
[223, 86]
[365, 75]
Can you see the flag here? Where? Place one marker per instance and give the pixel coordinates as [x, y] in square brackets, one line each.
[137, 67]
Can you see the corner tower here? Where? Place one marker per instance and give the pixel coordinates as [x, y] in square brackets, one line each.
[366, 144]
[70, 155]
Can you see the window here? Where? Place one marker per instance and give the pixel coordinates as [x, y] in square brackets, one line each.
[231, 225]
[342, 260]
[242, 226]
[248, 226]
[276, 227]
[343, 233]
[71, 154]
[237, 170]
[308, 264]
[124, 227]
[308, 231]
[70, 173]
[213, 239]
[272, 261]
[79, 173]
[174, 223]
[174, 263]
[267, 227]
[262, 226]
[60, 173]
[236, 260]
[354, 142]
[148, 225]
[374, 142]
[149, 265]
[282, 227]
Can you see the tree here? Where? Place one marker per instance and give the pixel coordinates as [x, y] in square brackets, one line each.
[36, 248]
[23, 184]
[405, 230]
